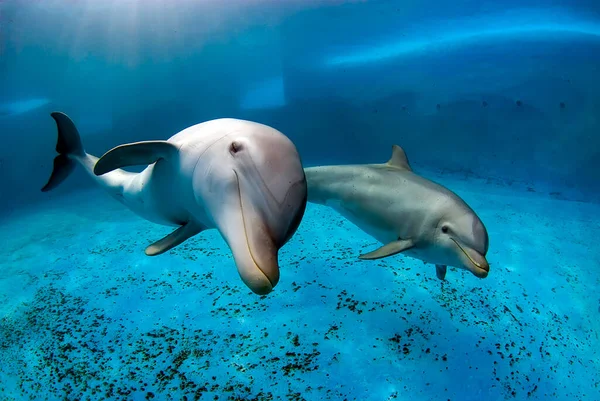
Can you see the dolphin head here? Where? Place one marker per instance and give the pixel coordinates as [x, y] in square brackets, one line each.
[254, 188]
[462, 239]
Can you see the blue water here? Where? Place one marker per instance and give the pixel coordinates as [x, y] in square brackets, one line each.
[497, 100]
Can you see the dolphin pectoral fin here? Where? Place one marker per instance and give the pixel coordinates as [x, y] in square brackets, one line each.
[440, 271]
[178, 236]
[390, 249]
[134, 154]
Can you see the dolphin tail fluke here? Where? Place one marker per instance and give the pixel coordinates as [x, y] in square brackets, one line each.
[68, 146]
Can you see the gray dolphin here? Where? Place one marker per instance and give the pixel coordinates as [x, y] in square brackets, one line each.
[406, 212]
[242, 178]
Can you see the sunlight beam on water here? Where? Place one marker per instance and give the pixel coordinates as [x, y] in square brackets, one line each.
[22, 106]
[457, 33]
[123, 35]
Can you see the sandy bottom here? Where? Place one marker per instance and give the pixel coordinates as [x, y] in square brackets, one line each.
[85, 315]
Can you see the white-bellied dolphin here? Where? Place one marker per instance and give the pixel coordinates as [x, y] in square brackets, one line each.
[406, 212]
[243, 178]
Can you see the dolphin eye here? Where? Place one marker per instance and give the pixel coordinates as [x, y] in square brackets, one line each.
[445, 229]
[235, 147]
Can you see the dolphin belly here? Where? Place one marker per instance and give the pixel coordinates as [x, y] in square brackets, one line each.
[359, 220]
[157, 195]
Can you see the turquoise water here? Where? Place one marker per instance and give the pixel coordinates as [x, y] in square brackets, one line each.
[87, 316]
[496, 100]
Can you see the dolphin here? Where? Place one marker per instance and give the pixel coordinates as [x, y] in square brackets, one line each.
[407, 213]
[243, 178]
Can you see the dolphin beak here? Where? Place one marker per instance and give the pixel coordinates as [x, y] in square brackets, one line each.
[259, 268]
[473, 261]
[254, 251]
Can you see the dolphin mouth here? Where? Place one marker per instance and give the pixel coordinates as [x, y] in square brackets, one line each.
[262, 284]
[480, 270]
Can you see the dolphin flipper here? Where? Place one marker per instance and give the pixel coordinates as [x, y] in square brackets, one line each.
[390, 249]
[177, 237]
[440, 271]
[134, 154]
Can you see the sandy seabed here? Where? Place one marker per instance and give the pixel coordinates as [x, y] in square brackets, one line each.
[85, 315]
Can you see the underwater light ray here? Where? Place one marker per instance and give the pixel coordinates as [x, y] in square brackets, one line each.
[164, 30]
[22, 106]
[132, 44]
[485, 30]
[123, 34]
[80, 33]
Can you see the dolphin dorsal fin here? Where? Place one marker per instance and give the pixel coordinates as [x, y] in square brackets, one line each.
[399, 159]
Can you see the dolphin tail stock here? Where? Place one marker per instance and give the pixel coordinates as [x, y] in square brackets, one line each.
[69, 148]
